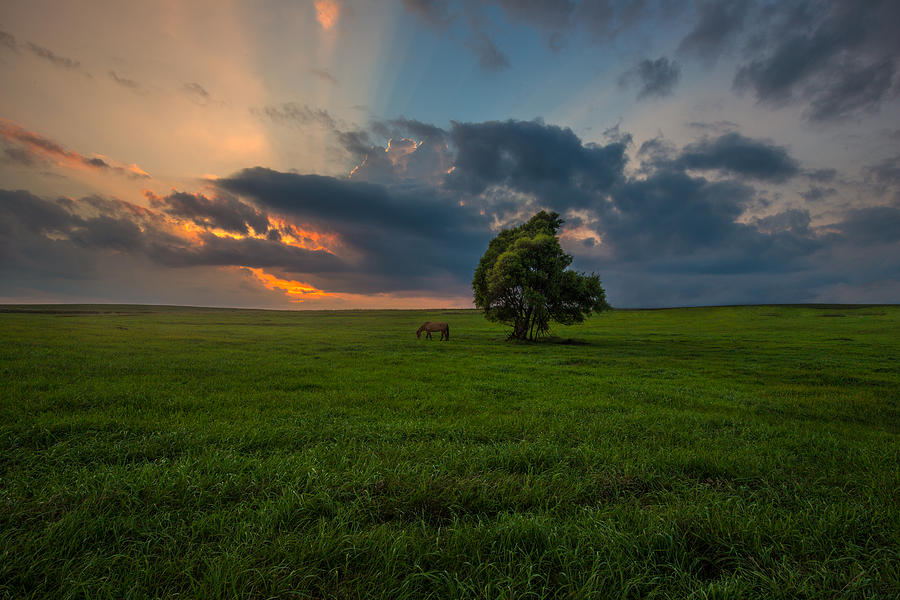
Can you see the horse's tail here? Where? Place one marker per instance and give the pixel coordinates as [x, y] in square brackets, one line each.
[448, 332]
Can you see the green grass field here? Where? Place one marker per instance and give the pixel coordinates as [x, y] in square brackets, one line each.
[704, 453]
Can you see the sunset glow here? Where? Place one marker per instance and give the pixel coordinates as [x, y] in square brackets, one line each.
[297, 291]
[293, 235]
[327, 13]
[363, 154]
[26, 146]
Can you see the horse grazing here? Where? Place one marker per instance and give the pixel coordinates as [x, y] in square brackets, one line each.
[428, 327]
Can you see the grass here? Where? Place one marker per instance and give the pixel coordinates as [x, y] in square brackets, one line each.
[686, 453]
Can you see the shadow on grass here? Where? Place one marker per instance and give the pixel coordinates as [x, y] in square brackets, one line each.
[553, 340]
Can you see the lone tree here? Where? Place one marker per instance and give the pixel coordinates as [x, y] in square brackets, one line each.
[523, 280]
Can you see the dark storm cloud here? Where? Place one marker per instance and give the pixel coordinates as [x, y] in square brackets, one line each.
[714, 127]
[716, 28]
[746, 157]
[872, 225]
[652, 77]
[222, 212]
[490, 57]
[52, 57]
[855, 87]
[410, 127]
[886, 173]
[529, 156]
[22, 211]
[403, 233]
[656, 153]
[672, 213]
[792, 220]
[664, 235]
[839, 57]
[107, 232]
[687, 235]
[248, 252]
[32, 227]
[358, 142]
[817, 193]
[821, 175]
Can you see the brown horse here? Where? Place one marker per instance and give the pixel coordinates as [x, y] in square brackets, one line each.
[428, 327]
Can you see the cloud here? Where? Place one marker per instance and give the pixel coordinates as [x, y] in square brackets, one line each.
[53, 228]
[886, 173]
[327, 13]
[742, 156]
[385, 165]
[30, 149]
[412, 127]
[838, 59]
[660, 237]
[821, 175]
[872, 225]
[817, 193]
[199, 95]
[718, 23]
[416, 152]
[52, 57]
[715, 127]
[671, 213]
[399, 236]
[125, 82]
[653, 77]
[531, 157]
[8, 41]
[324, 75]
[559, 20]
[298, 114]
[221, 212]
[101, 250]
[489, 56]
[196, 90]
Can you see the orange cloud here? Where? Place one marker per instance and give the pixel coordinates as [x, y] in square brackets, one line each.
[205, 214]
[303, 238]
[35, 148]
[327, 13]
[297, 291]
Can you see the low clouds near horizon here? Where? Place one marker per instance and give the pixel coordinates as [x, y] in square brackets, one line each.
[678, 227]
[353, 154]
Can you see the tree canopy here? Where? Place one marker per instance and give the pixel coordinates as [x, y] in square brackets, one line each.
[523, 280]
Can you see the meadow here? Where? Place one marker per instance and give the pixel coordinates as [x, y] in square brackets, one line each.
[733, 452]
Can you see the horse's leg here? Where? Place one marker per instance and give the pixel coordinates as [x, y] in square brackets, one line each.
[428, 335]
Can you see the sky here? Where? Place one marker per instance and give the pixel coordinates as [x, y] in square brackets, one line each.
[332, 154]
